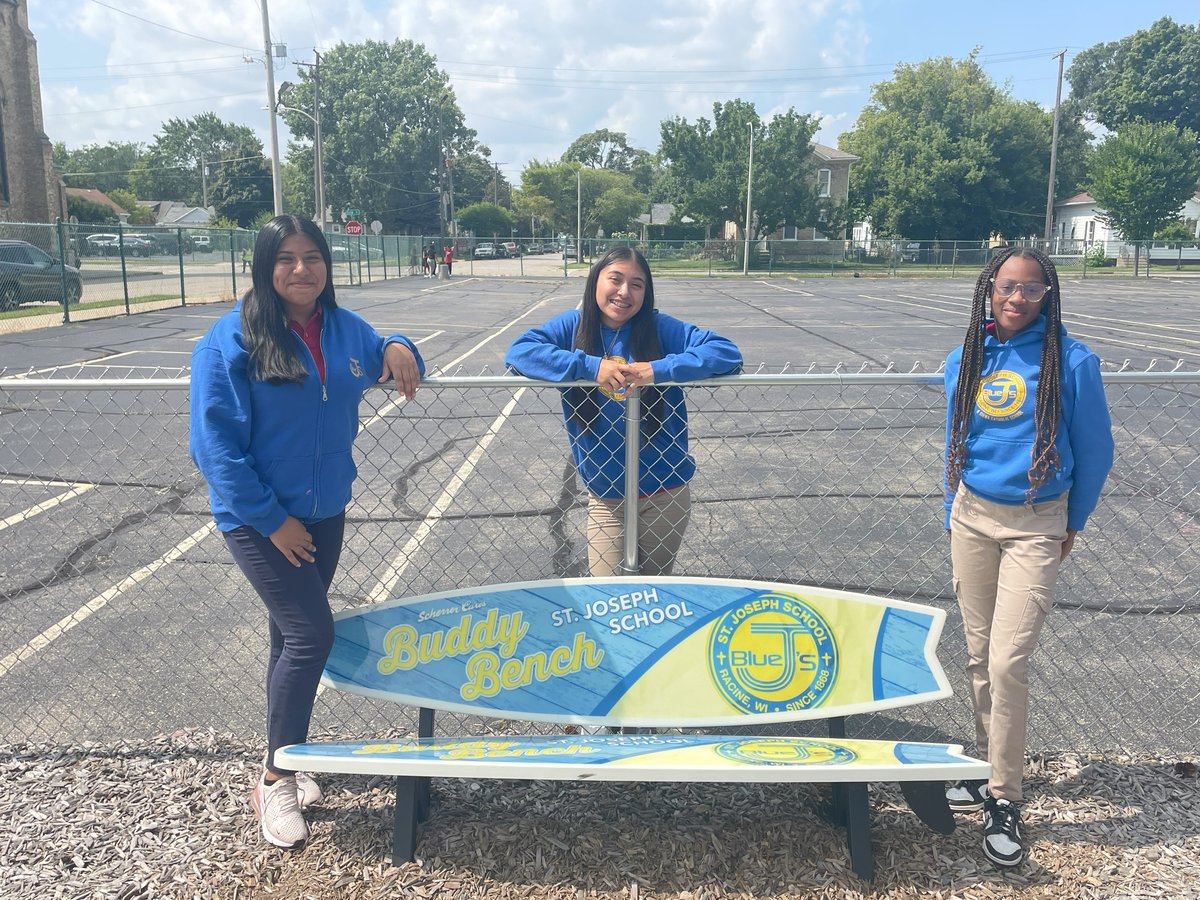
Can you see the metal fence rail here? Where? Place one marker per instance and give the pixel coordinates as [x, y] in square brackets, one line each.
[123, 615]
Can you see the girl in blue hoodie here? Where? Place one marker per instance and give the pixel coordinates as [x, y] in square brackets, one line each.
[275, 390]
[1028, 447]
[619, 340]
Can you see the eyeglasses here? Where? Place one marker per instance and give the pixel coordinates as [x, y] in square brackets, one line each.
[1032, 291]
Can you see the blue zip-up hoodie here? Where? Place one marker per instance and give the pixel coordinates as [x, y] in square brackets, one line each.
[689, 353]
[1000, 436]
[269, 451]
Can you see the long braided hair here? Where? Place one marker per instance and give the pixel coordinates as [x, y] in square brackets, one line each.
[1044, 460]
[584, 403]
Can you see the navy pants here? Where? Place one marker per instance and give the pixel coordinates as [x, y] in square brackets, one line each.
[301, 624]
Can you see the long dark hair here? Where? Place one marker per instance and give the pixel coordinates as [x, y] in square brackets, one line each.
[272, 346]
[584, 403]
[1044, 460]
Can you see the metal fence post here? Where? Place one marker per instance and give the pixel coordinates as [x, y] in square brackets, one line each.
[179, 253]
[633, 410]
[232, 265]
[124, 271]
[62, 272]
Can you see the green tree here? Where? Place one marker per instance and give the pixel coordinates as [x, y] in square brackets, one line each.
[533, 210]
[139, 213]
[88, 213]
[486, 219]
[706, 166]
[389, 119]
[605, 149]
[170, 167]
[945, 154]
[241, 186]
[104, 167]
[1152, 75]
[607, 199]
[1142, 175]
[785, 185]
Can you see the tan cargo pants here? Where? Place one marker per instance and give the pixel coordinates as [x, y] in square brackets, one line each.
[1006, 561]
[662, 520]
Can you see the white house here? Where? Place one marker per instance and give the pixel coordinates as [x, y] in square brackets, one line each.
[1077, 223]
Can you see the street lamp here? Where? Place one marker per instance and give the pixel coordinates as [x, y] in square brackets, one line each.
[276, 181]
[318, 162]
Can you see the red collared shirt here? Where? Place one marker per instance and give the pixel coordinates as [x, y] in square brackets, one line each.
[311, 335]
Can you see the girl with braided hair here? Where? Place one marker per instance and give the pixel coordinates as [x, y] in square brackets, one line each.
[1028, 447]
[618, 339]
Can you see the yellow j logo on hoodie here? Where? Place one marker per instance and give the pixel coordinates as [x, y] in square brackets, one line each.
[1001, 395]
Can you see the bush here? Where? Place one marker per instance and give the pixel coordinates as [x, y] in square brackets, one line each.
[1096, 256]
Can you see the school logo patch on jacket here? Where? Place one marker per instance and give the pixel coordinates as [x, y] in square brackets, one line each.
[1001, 395]
[356, 368]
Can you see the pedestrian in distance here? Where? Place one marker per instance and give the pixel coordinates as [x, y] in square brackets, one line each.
[247, 258]
[1028, 448]
[448, 258]
[425, 261]
[618, 339]
[275, 391]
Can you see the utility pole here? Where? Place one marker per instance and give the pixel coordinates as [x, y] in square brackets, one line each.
[441, 167]
[578, 214]
[203, 181]
[1054, 151]
[496, 186]
[276, 181]
[749, 183]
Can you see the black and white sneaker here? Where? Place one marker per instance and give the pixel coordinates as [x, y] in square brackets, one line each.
[1002, 832]
[967, 796]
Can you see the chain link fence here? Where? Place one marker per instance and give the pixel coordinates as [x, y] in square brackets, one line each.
[124, 616]
[120, 269]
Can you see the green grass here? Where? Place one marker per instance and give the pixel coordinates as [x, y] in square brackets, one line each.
[24, 312]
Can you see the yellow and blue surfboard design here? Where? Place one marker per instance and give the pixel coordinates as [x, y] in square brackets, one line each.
[640, 651]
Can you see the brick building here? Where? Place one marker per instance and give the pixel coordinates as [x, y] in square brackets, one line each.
[31, 190]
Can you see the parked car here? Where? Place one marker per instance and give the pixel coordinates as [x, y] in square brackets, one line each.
[533, 249]
[911, 252]
[202, 243]
[160, 241]
[485, 251]
[511, 248]
[137, 245]
[350, 253]
[102, 245]
[28, 274]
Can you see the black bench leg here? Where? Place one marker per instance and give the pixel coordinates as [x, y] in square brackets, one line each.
[858, 830]
[424, 730]
[928, 800]
[404, 819]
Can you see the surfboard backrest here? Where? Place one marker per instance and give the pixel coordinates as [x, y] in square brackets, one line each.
[643, 651]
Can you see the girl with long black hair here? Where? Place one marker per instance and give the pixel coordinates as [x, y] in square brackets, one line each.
[275, 391]
[618, 339]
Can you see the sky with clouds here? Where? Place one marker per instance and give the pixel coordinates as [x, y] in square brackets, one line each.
[531, 76]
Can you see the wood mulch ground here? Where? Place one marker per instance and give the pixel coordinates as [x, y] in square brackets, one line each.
[168, 818]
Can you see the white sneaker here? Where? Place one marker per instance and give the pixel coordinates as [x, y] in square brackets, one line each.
[308, 792]
[277, 808]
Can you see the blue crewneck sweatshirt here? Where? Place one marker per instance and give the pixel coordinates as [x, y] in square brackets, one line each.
[689, 353]
[1001, 432]
[269, 451]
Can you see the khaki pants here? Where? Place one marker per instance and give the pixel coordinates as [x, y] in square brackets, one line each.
[1006, 561]
[662, 520]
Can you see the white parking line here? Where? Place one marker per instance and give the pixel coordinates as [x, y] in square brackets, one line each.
[37, 508]
[97, 603]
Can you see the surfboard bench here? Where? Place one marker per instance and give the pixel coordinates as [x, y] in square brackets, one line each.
[631, 654]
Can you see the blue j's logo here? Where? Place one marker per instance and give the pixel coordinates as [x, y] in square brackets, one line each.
[1001, 395]
[787, 752]
[773, 652]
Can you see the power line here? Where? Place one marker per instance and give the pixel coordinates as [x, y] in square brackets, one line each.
[198, 37]
[177, 101]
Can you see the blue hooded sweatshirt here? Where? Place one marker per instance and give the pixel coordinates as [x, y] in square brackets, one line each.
[269, 451]
[1001, 431]
[689, 353]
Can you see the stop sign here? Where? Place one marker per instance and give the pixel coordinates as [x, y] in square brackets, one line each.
[353, 227]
